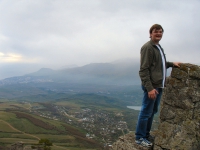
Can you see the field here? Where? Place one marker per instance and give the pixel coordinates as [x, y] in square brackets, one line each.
[19, 125]
[59, 121]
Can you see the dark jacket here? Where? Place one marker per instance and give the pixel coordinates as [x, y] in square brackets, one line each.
[151, 68]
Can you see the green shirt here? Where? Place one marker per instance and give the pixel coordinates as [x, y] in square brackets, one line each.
[151, 67]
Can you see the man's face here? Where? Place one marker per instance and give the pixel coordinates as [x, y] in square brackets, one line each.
[156, 35]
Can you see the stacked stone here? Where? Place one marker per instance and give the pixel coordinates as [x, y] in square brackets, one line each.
[179, 127]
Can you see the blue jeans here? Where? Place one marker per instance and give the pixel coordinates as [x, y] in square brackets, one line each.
[145, 118]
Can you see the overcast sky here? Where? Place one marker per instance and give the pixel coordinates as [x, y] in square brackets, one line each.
[59, 33]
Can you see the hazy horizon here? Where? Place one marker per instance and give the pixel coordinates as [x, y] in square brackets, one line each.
[54, 34]
[24, 69]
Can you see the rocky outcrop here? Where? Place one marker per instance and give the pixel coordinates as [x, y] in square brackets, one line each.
[179, 127]
[126, 142]
[17, 146]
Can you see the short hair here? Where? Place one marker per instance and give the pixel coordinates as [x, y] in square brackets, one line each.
[155, 26]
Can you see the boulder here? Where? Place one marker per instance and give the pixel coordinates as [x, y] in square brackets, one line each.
[179, 127]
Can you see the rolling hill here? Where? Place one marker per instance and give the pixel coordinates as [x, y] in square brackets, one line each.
[117, 73]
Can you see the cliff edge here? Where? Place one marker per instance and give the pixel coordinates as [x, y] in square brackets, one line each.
[179, 127]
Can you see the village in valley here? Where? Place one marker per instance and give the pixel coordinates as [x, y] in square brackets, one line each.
[99, 124]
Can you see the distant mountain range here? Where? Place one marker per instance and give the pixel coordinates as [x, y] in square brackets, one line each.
[117, 80]
[124, 72]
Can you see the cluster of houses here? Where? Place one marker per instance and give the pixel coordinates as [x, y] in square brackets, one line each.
[99, 124]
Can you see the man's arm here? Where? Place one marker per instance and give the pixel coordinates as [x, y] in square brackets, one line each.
[173, 64]
[145, 62]
[146, 57]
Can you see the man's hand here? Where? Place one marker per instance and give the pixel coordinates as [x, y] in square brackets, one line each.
[152, 94]
[176, 64]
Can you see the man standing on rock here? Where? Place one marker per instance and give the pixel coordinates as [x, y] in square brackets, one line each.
[152, 72]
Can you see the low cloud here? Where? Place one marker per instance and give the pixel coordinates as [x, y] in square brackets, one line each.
[59, 33]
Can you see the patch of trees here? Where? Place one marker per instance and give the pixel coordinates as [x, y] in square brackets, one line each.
[80, 137]
[35, 121]
[73, 131]
[43, 144]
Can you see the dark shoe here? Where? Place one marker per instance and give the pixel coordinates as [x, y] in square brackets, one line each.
[143, 142]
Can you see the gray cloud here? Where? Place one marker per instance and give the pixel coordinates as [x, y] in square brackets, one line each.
[53, 34]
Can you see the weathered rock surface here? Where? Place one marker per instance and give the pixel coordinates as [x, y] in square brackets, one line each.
[179, 127]
[127, 143]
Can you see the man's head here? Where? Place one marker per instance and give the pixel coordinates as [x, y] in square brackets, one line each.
[156, 32]
[155, 26]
